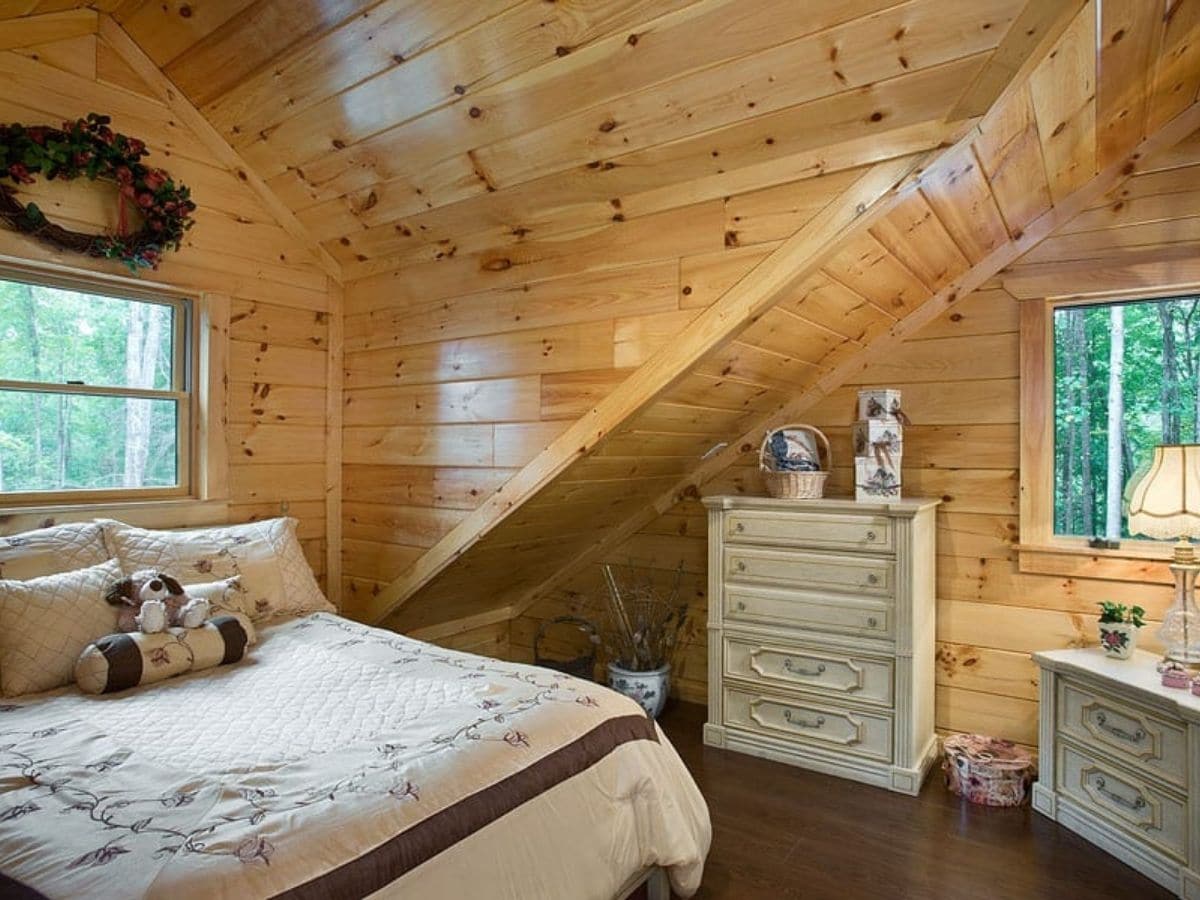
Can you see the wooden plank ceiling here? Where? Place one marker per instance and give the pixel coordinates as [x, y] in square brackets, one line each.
[400, 131]
[425, 141]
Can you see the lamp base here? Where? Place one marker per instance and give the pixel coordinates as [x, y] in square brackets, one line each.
[1188, 661]
[1180, 631]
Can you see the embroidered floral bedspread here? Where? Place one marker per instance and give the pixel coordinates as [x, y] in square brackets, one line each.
[340, 760]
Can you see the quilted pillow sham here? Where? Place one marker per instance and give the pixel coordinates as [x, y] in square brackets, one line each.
[275, 576]
[48, 551]
[46, 622]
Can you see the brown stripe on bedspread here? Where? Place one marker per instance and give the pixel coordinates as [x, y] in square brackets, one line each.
[429, 837]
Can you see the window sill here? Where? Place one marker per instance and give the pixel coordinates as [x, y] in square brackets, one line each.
[176, 512]
[1070, 559]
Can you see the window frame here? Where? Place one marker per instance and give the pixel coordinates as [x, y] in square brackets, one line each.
[200, 352]
[1040, 550]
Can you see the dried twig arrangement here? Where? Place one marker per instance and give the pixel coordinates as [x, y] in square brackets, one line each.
[643, 626]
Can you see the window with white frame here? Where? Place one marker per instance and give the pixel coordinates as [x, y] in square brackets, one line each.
[96, 393]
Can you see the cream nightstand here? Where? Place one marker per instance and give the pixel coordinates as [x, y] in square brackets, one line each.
[1120, 762]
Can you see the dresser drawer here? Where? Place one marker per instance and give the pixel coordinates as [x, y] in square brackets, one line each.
[1147, 742]
[1125, 798]
[811, 571]
[821, 531]
[792, 666]
[817, 724]
[842, 615]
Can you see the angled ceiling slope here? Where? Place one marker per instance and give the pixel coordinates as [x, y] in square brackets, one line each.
[903, 241]
[394, 129]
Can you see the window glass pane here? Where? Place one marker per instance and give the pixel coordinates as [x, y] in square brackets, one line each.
[63, 442]
[1126, 378]
[58, 335]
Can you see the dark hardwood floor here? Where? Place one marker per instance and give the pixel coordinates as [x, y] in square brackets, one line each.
[781, 832]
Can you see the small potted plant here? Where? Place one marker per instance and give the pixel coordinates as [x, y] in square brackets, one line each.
[641, 632]
[1119, 626]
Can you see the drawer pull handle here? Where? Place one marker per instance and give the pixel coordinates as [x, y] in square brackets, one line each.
[872, 622]
[740, 527]
[1133, 737]
[811, 673]
[870, 535]
[803, 723]
[741, 606]
[872, 578]
[741, 566]
[1132, 805]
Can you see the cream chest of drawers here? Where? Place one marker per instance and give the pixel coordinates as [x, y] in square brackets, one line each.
[1119, 760]
[821, 635]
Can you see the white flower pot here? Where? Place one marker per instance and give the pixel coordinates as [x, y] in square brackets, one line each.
[1117, 639]
[649, 689]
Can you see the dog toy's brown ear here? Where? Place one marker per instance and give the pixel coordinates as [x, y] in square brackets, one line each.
[173, 586]
[120, 593]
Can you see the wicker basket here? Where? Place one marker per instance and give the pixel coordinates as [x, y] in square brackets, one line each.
[795, 485]
[987, 770]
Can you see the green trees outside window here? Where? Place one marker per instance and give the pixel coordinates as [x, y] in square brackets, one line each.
[1126, 378]
[91, 390]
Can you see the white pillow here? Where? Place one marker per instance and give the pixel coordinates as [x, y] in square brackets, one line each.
[48, 551]
[274, 573]
[45, 623]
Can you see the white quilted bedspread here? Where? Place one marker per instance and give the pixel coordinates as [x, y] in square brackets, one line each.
[330, 741]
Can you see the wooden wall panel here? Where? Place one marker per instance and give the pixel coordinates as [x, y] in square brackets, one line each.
[960, 381]
[278, 325]
[873, 288]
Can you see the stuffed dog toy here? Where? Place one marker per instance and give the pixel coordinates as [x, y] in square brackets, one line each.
[153, 601]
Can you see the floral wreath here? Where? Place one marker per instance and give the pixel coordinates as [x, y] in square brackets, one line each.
[88, 148]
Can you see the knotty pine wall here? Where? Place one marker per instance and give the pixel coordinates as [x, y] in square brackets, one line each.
[961, 388]
[461, 370]
[279, 297]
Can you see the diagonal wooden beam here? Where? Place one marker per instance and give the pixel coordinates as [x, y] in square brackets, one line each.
[144, 66]
[30, 31]
[868, 198]
[1005, 254]
[1035, 30]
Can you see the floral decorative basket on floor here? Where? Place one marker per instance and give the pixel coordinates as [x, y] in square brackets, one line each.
[987, 770]
[791, 463]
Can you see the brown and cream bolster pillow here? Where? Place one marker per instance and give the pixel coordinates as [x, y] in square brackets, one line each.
[120, 661]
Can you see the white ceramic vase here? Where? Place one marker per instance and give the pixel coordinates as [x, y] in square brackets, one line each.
[1117, 639]
[649, 689]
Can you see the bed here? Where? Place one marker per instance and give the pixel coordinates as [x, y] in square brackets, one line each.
[339, 760]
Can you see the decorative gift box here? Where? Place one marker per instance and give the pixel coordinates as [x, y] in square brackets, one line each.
[879, 403]
[876, 481]
[877, 438]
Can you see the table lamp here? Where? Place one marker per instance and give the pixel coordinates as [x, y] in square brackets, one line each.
[1165, 504]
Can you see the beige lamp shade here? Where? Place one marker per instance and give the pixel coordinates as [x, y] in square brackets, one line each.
[1165, 502]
